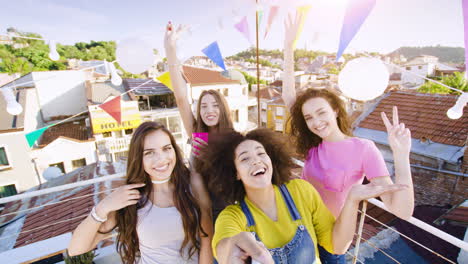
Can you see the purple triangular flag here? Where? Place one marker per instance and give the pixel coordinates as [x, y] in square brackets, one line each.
[243, 27]
[356, 13]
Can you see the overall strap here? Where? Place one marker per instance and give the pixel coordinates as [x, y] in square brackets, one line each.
[247, 213]
[290, 203]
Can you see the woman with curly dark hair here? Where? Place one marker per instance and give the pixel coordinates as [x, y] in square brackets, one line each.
[286, 215]
[155, 213]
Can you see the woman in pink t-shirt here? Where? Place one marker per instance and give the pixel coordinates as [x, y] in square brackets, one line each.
[334, 159]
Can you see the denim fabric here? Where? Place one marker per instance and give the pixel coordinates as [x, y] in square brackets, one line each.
[301, 248]
[329, 258]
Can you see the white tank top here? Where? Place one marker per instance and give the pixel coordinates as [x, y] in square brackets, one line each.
[160, 233]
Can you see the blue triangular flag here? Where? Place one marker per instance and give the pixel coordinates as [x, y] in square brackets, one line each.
[212, 52]
[356, 13]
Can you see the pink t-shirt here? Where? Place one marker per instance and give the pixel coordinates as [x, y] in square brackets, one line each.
[334, 167]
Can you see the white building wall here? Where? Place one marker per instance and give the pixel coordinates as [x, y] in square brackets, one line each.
[235, 99]
[426, 69]
[61, 92]
[21, 172]
[64, 150]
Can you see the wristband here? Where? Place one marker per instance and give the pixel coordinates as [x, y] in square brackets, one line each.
[96, 217]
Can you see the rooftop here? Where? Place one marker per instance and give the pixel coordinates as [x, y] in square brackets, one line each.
[199, 77]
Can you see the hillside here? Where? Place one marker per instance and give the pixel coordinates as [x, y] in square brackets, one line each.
[445, 54]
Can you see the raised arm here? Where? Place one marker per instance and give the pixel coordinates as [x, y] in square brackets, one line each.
[203, 198]
[178, 82]
[290, 32]
[86, 236]
[399, 138]
[345, 225]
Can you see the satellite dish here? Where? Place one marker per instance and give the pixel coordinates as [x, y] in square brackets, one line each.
[52, 173]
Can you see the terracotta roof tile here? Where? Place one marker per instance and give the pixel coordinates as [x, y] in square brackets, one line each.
[198, 76]
[74, 130]
[424, 114]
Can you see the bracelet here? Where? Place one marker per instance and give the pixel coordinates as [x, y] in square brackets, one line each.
[96, 217]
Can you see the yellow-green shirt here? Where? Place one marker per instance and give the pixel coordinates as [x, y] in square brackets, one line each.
[315, 216]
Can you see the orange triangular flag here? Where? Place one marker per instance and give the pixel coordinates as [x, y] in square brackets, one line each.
[112, 107]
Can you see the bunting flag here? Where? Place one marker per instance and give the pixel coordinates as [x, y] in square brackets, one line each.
[213, 53]
[32, 137]
[356, 13]
[260, 16]
[113, 108]
[465, 27]
[165, 79]
[271, 16]
[243, 27]
[302, 11]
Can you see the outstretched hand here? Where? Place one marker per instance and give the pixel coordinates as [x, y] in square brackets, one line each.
[399, 137]
[122, 197]
[172, 35]
[291, 29]
[361, 192]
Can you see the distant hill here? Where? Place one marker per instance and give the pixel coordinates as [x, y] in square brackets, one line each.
[445, 54]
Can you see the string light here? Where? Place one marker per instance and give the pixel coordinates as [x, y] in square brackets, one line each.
[456, 111]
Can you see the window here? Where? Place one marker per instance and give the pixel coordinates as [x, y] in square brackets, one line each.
[58, 165]
[107, 134]
[78, 163]
[279, 111]
[408, 68]
[3, 158]
[235, 116]
[244, 91]
[128, 131]
[174, 124]
[118, 133]
[420, 67]
[225, 91]
[162, 120]
[7, 190]
[279, 125]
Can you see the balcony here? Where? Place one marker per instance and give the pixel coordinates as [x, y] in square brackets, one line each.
[113, 145]
[73, 201]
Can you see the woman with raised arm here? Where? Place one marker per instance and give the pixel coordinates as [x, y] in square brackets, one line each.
[156, 216]
[212, 116]
[334, 159]
[253, 174]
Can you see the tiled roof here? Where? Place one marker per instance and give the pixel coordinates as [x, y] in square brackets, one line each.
[57, 218]
[100, 91]
[277, 83]
[150, 88]
[278, 101]
[424, 114]
[267, 93]
[198, 77]
[75, 130]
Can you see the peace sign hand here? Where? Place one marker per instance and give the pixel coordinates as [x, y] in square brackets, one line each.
[399, 137]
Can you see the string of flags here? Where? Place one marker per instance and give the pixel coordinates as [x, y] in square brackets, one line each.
[356, 14]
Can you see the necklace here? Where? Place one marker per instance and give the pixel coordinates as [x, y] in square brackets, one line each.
[161, 181]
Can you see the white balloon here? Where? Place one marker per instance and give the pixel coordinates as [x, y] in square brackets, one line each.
[14, 108]
[134, 55]
[363, 78]
[51, 173]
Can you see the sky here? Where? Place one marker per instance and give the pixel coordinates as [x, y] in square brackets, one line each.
[391, 24]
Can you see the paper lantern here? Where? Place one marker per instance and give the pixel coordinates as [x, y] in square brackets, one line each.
[363, 78]
[134, 55]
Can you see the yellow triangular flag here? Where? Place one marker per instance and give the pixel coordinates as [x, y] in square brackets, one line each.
[303, 11]
[165, 79]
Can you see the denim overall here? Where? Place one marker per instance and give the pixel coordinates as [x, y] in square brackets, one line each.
[301, 248]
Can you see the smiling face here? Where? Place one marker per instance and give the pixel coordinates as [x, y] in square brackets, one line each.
[159, 156]
[320, 117]
[253, 165]
[209, 110]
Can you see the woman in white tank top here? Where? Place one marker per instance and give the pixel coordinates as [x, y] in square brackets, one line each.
[155, 213]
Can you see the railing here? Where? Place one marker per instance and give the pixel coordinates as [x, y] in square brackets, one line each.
[112, 145]
[16, 254]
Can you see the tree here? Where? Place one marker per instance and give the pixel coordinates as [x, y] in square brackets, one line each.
[457, 80]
